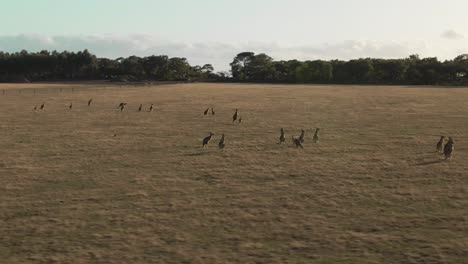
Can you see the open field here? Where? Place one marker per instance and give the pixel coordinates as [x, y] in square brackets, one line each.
[372, 191]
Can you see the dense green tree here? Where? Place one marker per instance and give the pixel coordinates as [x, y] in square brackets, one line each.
[314, 72]
[207, 68]
[179, 69]
[424, 71]
[133, 66]
[245, 67]
[240, 66]
[459, 69]
[108, 68]
[261, 68]
[389, 71]
[156, 67]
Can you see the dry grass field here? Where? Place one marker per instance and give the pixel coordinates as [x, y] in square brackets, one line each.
[97, 185]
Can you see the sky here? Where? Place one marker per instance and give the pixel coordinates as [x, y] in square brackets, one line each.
[214, 31]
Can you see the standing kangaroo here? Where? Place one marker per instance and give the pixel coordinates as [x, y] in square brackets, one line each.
[301, 137]
[440, 144]
[448, 149]
[282, 138]
[221, 143]
[316, 136]
[234, 117]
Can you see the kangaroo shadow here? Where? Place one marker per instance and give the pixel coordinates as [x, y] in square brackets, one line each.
[201, 153]
[429, 162]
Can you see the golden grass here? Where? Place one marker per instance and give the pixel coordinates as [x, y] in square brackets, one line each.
[372, 191]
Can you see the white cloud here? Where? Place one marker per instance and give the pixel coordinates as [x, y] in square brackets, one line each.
[452, 34]
[218, 53]
[352, 49]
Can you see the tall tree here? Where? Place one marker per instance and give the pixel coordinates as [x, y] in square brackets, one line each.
[240, 66]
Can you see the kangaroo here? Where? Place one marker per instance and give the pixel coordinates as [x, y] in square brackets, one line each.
[448, 149]
[234, 117]
[206, 140]
[282, 137]
[440, 144]
[316, 136]
[297, 142]
[221, 142]
[301, 137]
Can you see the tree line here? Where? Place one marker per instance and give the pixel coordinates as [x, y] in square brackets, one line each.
[48, 66]
[245, 67]
[251, 67]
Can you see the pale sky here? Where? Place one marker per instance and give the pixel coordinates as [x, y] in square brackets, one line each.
[214, 31]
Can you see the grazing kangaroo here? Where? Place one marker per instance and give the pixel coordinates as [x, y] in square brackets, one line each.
[234, 117]
[221, 142]
[206, 111]
[301, 137]
[207, 139]
[42, 106]
[316, 136]
[297, 142]
[282, 138]
[440, 144]
[448, 149]
[122, 106]
[35, 108]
